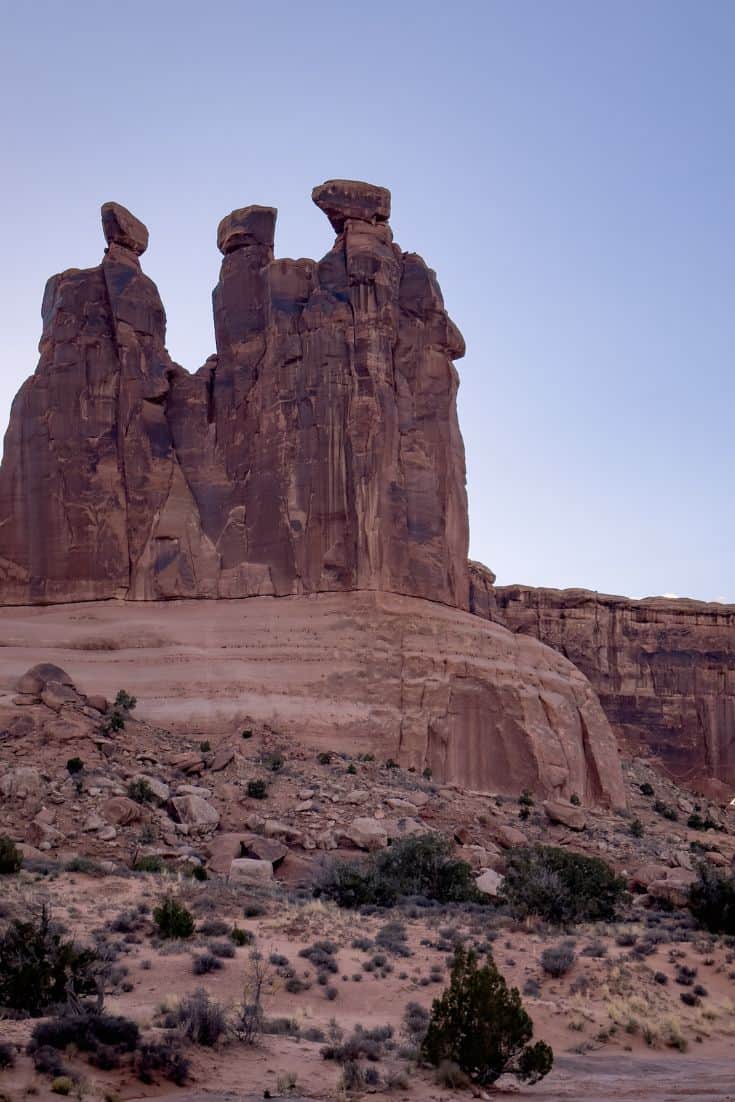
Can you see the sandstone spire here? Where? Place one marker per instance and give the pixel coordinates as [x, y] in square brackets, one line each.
[317, 450]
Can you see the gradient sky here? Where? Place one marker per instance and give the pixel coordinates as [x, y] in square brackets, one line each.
[567, 167]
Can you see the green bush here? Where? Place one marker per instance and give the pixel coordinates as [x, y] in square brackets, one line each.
[172, 919]
[247, 733]
[86, 1032]
[559, 886]
[646, 789]
[274, 761]
[257, 789]
[150, 862]
[636, 828]
[712, 900]
[141, 791]
[324, 757]
[421, 865]
[74, 765]
[481, 1026]
[37, 968]
[11, 858]
[666, 810]
[119, 713]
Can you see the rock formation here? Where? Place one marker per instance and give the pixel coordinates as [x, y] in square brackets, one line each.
[404, 678]
[317, 450]
[664, 669]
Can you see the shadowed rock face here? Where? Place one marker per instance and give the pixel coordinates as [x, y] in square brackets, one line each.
[664, 669]
[317, 450]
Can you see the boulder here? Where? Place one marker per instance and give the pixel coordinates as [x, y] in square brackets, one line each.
[368, 834]
[121, 811]
[508, 836]
[343, 199]
[646, 874]
[568, 815]
[263, 849]
[247, 226]
[250, 871]
[21, 783]
[194, 812]
[35, 680]
[120, 227]
[674, 887]
[489, 882]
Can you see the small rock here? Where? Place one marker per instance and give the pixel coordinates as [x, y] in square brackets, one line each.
[221, 759]
[107, 834]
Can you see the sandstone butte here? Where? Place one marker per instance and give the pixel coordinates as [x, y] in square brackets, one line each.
[315, 458]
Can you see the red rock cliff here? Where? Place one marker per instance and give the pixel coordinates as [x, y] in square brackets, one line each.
[664, 669]
[318, 449]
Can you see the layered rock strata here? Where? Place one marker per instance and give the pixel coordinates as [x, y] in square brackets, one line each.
[664, 669]
[317, 450]
[401, 677]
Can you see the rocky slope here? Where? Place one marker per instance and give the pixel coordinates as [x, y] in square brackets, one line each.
[395, 676]
[664, 669]
[317, 450]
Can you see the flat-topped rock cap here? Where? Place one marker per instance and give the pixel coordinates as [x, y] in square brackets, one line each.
[252, 225]
[343, 199]
[120, 227]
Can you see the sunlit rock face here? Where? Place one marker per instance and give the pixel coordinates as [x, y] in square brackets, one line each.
[318, 449]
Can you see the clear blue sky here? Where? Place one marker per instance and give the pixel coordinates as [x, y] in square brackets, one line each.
[567, 167]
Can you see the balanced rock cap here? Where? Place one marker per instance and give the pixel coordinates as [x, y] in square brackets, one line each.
[343, 199]
[247, 226]
[120, 227]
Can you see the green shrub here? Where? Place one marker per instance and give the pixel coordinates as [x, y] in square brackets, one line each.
[666, 810]
[481, 1026]
[119, 713]
[150, 862]
[247, 734]
[324, 757]
[712, 900]
[37, 967]
[75, 765]
[575, 800]
[421, 865]
[646, 789]
[257, 789]
[274, 761]
[86, 1032]
[241, 937]
[200, 1018]
[172, 919]
[560, 886]
[11, 858]
[62, 1084]
[351, 769]
[696, 822]
[141, 791]
[636, 828]
[556, 960]
[205, 746]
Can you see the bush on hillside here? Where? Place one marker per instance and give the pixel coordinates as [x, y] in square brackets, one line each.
[480, 1025]
[422, 865]
[712, 900]
[559, 886]
[11, 858]
[172, 919]
[38, 969]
